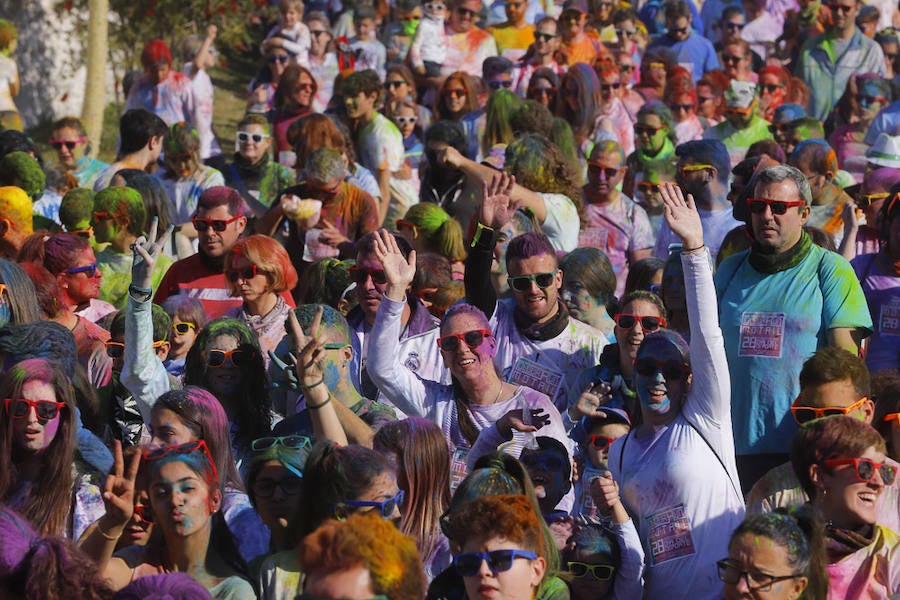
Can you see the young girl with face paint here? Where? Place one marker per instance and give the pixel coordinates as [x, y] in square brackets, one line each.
[183, 486]
[479, 405]
[684, 448]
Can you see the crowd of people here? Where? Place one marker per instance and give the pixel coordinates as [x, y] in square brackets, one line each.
[527, 300]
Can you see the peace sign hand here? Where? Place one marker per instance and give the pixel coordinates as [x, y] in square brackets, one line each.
[310, 354]
[146, 253]
[118, 491]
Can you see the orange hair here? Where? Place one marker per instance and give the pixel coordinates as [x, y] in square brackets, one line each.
[270, 257]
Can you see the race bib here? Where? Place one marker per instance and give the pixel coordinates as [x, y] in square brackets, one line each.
[889, 320]
[458, 470]
[536, 376]
[762, 334]
[670, 534]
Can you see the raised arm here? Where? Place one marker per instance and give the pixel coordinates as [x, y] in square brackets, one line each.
[710, 396]
[400, 385]
[143, 373]
[496, 209]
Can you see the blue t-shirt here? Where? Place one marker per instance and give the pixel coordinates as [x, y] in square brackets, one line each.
[696, 53]
[772, 324]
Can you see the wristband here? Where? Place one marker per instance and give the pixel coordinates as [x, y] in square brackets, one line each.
[693, 250]
[306, 388]
[139, 292]
[112, 538]
[318, 406]
[483, 230]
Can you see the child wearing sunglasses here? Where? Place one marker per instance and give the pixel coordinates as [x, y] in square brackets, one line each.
[188, 318]
[597, 434]
[498, 543]
[604, 561]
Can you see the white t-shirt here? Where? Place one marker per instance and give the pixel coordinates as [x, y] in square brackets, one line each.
[381, 147]
[203, 110]
[549, 366]
[716, 225]
[9, 74]
[561, 224]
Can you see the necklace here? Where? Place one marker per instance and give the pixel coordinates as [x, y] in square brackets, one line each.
[500, 391]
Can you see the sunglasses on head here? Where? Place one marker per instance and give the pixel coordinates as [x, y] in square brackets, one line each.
[601, 442]
[671, 369]
[543, 36]
[90, 270]
[386, 507]
[522, 283]
[217, 358]
[218, 225]
[182, 327]
[866, 469]
[69, 144]
[468, 564]
[778, 207]
[497, 84]
[278, 58]
[599, 572]
[648, 323]
[803, 414]
[598, 169]
[473, 339]
[361, 274]
[245, 136]
[288, 441]
[247, 273]
[392, 84]
[45, 410]
[101, 215]
[186, 448]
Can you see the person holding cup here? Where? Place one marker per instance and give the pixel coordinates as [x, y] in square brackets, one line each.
[325, 214]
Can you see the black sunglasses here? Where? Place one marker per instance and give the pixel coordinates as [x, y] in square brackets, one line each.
[246, 273]
[648, 367]
[522, 283]
[778, 207]
[360, 274]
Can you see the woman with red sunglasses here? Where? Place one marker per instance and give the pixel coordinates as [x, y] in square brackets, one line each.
[683, 393]
[39, 476]
[842, 465]
[183, 486]
[478, 405]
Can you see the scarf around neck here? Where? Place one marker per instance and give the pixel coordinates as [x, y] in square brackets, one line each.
[768, 263]
[840, 542]
[541, 332]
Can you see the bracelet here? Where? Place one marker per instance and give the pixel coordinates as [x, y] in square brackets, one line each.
[112, 538]
[692, 250]
[306, 388]
[317, 406]
[482, 230]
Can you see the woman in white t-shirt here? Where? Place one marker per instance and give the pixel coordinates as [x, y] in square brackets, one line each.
[677, 469]
[478, 404]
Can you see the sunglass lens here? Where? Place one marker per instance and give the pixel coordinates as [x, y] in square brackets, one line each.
[263, 443]
[500, 560]
[756, 206]
[520, 284]
[115, 350]
[673, 371]
[578, 570]
[650, 323]
[449, 343]
[473, 338]
[294, 441]
[468, 564]
[626, 321]
[182, 328]
[544, 280]
[803, 415]
[888, 474]
[215, 358]
[46, 410]
[865, 469]
[600, 442]
[20, 409]
[779, 208]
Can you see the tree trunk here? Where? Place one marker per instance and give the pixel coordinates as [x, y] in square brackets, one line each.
[95, 82]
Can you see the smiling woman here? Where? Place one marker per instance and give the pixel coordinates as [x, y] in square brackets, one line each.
[841, 463]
